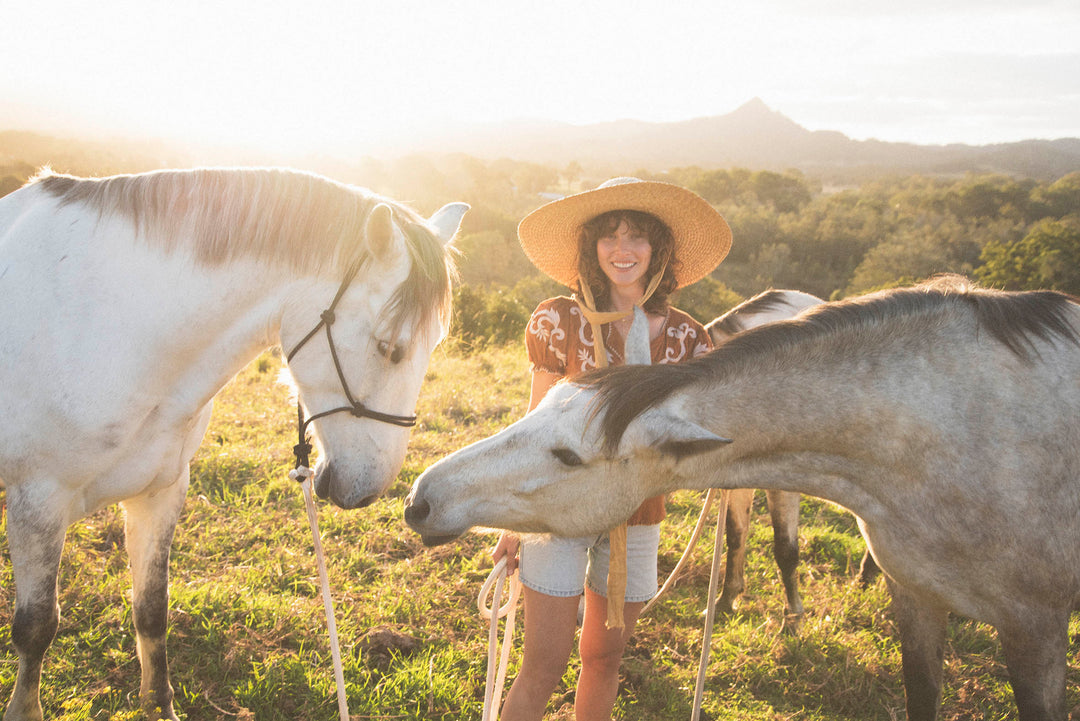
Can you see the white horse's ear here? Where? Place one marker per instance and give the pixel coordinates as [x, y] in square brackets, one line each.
[681, 439]
[379, 232]
[447, 220]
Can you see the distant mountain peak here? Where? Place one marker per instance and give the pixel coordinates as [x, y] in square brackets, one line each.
[755, 106]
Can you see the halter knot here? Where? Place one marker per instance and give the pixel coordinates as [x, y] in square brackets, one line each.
[302, 451]
[327, 316]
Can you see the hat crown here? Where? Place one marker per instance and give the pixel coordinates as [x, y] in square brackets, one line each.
[618, 181]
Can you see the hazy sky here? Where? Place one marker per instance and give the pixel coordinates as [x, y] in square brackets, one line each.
[353, 75]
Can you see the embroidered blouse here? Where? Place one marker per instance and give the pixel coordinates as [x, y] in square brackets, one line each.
[560, 341]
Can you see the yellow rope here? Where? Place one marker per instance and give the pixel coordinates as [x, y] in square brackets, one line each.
[616, 580]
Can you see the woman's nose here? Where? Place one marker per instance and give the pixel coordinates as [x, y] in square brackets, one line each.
[622, 240]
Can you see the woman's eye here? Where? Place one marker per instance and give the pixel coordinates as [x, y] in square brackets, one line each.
[567, 457]
[391, 352]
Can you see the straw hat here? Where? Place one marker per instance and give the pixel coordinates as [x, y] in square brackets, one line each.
[549, 235]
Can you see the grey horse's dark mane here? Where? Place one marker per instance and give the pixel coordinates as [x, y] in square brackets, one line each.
[301, 221]
[733, 321]
[1015, 319]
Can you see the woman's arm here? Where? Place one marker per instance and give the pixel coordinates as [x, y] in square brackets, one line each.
[542, 381]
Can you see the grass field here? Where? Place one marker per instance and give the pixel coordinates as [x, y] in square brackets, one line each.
[248, 637]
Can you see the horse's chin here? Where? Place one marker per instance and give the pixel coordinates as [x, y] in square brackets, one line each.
[431, 541]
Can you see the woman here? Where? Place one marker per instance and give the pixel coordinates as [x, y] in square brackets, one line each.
[628, 243]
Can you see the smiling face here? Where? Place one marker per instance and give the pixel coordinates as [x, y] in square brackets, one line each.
[624, 254]
[620, 251]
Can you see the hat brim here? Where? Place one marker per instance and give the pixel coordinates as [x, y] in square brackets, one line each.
[549, 235]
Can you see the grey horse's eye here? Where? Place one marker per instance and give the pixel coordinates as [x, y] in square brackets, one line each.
[567, 457]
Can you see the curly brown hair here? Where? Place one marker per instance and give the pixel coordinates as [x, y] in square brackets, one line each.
[661, 241]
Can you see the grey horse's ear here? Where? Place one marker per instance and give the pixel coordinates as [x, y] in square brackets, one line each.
[447, 220]
[682, 439]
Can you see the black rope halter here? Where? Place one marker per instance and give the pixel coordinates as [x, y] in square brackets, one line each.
[303, 448]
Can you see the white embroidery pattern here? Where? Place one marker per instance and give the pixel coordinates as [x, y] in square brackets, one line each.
[586, 354]
[685, 334]
[545, 325]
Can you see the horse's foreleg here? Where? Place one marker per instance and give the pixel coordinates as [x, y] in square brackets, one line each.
[35, 542]
[150, 523]
[738, 525]
[1035, 648]
[784, 511]
[922, 651]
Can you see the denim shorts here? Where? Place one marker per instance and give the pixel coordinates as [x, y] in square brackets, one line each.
[561, 566]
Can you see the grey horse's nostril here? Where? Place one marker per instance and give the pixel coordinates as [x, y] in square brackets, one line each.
[417, 511]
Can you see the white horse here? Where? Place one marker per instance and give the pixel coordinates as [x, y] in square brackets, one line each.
[128, 302]
[945, 417]
[766, 307]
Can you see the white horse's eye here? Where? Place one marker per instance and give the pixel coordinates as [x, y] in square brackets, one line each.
[393, 353]
[567, 457]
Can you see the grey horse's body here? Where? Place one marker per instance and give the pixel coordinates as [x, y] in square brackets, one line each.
[947, 418]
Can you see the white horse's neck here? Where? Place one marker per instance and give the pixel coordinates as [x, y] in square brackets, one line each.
[122, 348]
[195, 326]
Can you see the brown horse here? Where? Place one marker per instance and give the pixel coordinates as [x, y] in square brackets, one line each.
[945, 417]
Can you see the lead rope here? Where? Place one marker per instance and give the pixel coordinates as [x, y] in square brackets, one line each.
[710, 610]
[496, 680]
[303, 475]
[698, 527]
[496, 673]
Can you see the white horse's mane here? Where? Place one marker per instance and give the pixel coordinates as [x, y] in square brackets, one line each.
[310, 222]
[306, 222]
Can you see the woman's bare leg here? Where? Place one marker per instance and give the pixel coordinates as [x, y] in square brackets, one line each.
[550, 623]
[601, 651]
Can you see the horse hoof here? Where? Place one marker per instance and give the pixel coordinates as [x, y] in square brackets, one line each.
[725, 607]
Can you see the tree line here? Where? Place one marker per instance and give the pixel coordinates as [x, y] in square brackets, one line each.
[789, 230]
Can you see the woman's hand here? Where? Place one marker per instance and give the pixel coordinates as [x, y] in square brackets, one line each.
[507, 547]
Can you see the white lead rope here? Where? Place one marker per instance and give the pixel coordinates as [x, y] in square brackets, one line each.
[496, 681]
[304, 474]
[710, 610]
[497, 577]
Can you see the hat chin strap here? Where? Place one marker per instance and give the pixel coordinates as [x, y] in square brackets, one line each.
[598, 318]
[616, 580]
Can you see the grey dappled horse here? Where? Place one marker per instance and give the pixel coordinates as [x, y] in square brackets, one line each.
[946, 417]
